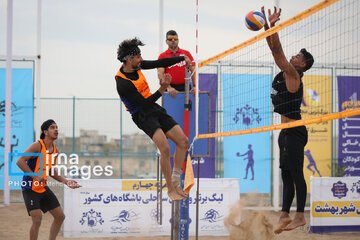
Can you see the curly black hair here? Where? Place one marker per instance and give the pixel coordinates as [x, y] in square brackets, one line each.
[126, 46]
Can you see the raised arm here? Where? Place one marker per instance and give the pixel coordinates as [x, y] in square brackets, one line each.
[266, 27]
[292, 78]
[164, 62]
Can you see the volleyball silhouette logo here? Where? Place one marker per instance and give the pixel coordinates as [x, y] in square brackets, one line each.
[254, 20]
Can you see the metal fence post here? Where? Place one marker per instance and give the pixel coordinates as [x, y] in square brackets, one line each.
[73, 145]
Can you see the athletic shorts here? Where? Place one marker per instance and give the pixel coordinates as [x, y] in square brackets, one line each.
[150, 122]
[45, 201]
[292, 142]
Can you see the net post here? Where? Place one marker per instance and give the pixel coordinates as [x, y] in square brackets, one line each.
[158, 192]
[183, 208]
[175, 220]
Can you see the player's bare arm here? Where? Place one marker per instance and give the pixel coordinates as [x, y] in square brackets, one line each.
[292, 78]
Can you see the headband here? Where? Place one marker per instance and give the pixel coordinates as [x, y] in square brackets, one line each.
[131, 53]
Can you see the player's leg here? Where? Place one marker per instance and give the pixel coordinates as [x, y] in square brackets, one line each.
[36, 217]
[161, 142]
[288, 196]
[59, 218]
[179, 138]
[173, 131]
[288, 185]
[301, 190]
[32, 203]
[298, 139]
[49, 202]
[154, 125]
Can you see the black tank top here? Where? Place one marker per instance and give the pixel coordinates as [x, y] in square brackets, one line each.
[285, 102]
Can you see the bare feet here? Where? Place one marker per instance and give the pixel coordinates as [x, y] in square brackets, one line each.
[283, 222]
[174, 196]
[180, 191]
[299, 220]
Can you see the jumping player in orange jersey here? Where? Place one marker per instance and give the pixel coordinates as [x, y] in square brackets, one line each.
[286, 95]
[37, 195]
[134, 92]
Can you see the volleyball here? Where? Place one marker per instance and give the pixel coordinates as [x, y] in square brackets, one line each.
[254, 20]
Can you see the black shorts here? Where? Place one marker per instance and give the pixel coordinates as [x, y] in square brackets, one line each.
[292, 142]
[150, 122]
[45, 201]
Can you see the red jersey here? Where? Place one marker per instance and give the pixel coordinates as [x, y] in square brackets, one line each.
[177, 71]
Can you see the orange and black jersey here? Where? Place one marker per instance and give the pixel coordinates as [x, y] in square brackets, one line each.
[34, 165]
[133, 88]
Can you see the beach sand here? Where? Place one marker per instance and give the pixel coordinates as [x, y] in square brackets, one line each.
[15, 224]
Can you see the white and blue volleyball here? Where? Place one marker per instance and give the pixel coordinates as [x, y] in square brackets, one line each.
[254, 20]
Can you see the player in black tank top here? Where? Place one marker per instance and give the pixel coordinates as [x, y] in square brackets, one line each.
[286, 95]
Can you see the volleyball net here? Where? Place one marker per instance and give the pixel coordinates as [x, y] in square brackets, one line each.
[330, 32]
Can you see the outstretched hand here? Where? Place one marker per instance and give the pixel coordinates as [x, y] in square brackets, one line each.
[273, 17]
[266, 25]
[72, 184]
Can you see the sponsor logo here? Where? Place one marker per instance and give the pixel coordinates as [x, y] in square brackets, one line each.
[248, 115]
[339, 189]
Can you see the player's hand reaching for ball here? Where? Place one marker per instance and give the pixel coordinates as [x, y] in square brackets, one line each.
[274, 17]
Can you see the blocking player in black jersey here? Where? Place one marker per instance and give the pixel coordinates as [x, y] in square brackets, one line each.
[286, 95]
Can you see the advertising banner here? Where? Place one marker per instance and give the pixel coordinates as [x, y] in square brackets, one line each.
[316, 102]
[22, 120]
[122, 208]
[349, 127]
[247, 157]
[335, 204]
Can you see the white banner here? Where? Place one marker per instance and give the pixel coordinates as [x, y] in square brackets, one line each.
[110, 208]
[335, 204]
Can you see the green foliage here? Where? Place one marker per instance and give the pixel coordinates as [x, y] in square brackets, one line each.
[337, 170]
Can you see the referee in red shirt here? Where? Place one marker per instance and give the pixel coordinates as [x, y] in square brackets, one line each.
[177, 71]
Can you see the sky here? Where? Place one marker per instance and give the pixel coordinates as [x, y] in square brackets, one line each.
[79, 38]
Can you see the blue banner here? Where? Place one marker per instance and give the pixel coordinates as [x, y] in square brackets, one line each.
[175, 108]
[22, 120]
[349, 127]
[247, 157]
